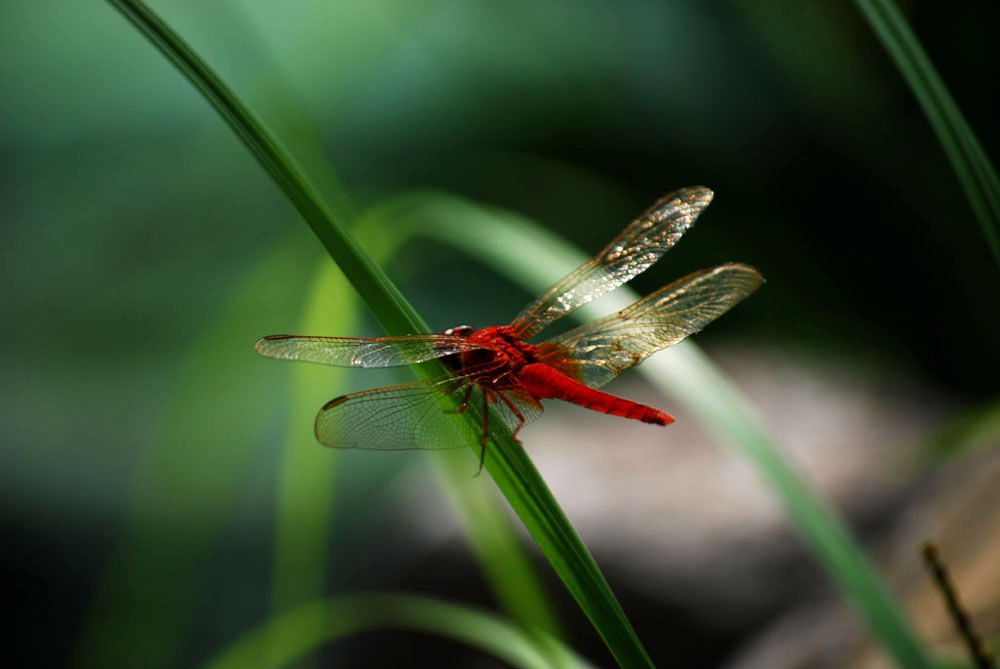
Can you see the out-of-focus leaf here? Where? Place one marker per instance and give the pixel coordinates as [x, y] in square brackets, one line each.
[287, 638]
[977, 428]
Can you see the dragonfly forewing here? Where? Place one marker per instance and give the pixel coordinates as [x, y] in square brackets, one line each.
[359, 352]
[632, 252]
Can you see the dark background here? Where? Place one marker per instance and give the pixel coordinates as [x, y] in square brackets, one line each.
[131, 217]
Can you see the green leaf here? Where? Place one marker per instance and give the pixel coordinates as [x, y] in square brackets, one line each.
[508, 464]
[534, 257]
[975, 171]
[289, 637]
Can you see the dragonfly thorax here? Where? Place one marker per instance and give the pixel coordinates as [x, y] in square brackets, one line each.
[500, 347]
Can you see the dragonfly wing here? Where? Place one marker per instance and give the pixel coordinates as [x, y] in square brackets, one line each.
[414, 415]
[632, 252]
[597, 352]
[358, 352]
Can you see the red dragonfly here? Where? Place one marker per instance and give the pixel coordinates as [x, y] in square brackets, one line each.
[496, 373]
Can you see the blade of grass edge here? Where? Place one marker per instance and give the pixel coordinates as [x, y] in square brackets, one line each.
[507, 463]
[532, 256]
[309, 626]
[973, 167]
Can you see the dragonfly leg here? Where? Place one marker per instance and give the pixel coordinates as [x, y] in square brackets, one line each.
[508, 373]
[517, 412]
[464, 404]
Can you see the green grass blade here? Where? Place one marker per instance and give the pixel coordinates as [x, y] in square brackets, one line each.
[534, 257]
[508, 464]
[308, 627]
[974, 169]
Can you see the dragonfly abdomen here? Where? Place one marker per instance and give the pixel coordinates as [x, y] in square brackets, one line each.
[544, 381]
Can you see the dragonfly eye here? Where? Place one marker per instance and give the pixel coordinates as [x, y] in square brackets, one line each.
[459, 331]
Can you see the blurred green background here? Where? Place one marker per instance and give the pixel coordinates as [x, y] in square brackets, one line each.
[143, 252]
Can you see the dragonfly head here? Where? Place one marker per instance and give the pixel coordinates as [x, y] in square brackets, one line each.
[459, 331]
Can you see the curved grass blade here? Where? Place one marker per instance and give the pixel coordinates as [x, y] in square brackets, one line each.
[529, 255]
[310, 626]
[508, 464]
[971, 164]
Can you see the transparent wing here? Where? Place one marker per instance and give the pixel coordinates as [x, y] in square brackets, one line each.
[597, 352]
[515, 406]
[411, 415]
[357, 352]
[632, 252]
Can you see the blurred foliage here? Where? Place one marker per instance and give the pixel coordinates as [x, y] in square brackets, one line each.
[973, 167]
[133, 223]
[309, 626]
